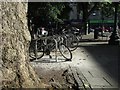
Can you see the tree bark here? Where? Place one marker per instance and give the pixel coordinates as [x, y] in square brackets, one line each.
[86, 14]
[15, 69]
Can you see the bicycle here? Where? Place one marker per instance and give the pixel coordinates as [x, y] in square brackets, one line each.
[71, 40]
[45, 45]
[63, 48]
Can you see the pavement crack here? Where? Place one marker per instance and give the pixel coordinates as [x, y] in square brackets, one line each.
[90, 73]
[107, 81]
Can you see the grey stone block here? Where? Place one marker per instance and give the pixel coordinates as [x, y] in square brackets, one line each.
[87, 74]
[97, 82]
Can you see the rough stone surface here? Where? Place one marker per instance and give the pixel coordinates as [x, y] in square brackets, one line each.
[17, 72]
[1, 74]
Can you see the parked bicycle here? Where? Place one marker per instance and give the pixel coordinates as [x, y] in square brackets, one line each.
[45, 45]
[71, 39]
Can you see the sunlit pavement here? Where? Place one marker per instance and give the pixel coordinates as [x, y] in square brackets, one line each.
[95, 65]
[99, 65]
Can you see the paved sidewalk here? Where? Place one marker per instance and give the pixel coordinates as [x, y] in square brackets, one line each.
[90, 36]
[99, 66]
[93, 66]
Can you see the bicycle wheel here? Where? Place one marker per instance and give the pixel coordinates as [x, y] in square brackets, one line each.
[79, 37]
[36, 50]
[51, 44]
[65, 51]
[73, 42]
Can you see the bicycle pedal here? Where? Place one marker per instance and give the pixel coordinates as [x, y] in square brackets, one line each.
[50, 57]
[68, 60]
[31, 60]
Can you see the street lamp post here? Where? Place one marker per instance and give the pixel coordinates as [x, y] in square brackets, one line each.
[114, 38]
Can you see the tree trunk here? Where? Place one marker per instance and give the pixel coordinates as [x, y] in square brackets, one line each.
[85, 16]
[15, 69]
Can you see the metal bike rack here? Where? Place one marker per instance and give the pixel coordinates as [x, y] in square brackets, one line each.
[56, 46]
[43, 38]
[36, 55]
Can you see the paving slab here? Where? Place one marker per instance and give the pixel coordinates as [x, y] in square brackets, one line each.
[77, 79]
[98, 82]
[112, 81]
[95, 73]
[104, 88]
[87, 74]
[93, 66]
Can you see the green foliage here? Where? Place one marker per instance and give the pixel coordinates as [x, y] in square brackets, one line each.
[65, 12]
[119, 8]
[108, 8]
[53, 11]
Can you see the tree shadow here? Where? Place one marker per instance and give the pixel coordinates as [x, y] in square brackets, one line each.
[93, 40]
[48, 60]
[108, 57]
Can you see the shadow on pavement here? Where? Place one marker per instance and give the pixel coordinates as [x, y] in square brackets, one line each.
[92, 40]
[108, 56]
[47, 60]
